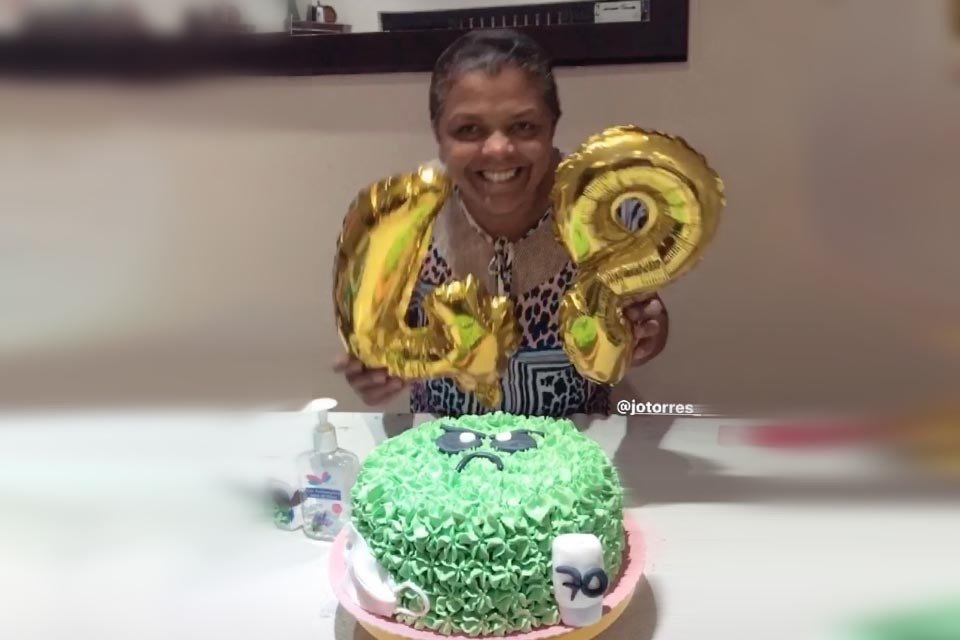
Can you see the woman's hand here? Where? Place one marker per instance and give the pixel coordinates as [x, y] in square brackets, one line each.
[650, 328]
[374, 386]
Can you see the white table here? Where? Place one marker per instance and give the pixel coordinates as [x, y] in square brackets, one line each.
[131, 526]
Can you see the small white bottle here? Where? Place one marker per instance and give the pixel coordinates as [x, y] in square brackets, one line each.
[327, 474]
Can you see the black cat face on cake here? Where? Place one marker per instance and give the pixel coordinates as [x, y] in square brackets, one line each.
[456, 440]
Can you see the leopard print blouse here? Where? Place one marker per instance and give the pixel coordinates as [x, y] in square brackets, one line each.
[534, 272]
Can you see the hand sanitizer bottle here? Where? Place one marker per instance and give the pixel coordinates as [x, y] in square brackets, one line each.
[327, 474]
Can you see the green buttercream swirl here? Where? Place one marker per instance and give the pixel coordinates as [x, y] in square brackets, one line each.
[479, 542]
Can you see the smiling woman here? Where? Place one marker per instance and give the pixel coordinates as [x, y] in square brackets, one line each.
[494, 109]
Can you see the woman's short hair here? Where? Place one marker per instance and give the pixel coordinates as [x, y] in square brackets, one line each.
[491, 50]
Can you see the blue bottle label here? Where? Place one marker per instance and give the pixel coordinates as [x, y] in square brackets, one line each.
[323, 494]
[323, 508]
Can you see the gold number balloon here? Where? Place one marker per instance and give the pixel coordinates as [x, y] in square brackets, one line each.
[468, 336]
[683, 198]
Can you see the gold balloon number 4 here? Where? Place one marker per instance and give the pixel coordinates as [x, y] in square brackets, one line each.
[683, 198]
[386, 233]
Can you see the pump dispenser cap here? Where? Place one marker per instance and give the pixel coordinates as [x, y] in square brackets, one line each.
[324, 433]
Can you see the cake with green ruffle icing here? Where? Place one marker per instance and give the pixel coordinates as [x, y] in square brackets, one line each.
[470, 510]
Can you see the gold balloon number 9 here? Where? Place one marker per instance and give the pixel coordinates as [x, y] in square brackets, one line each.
[386, 233]
[683, 199]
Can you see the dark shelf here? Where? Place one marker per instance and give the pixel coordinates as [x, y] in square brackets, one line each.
[663, 39]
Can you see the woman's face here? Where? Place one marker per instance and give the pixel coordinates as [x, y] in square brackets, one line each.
[496, 139]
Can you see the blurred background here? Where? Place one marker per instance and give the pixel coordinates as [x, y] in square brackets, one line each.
[171, 243]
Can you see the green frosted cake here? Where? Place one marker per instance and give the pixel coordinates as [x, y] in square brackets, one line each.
[471, 511]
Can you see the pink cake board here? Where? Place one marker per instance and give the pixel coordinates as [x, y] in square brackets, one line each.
[623, 588]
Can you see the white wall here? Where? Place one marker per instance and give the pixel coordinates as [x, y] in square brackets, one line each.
[173, 243]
